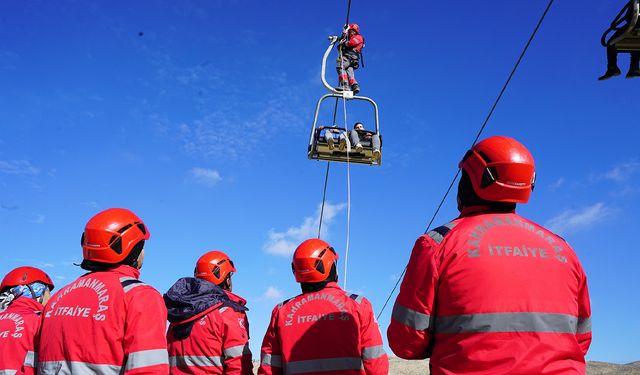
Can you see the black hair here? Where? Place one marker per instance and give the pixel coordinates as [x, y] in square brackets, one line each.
[467, 197]
[315, 287]
[356, 124]
[130, 260]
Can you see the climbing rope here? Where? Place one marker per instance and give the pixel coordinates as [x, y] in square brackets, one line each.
[326, 177]
[484, 124]
[346, 251]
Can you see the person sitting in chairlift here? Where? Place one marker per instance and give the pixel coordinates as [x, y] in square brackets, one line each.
[329, 137]
[358, 133]
[350, 46]
[612, 51]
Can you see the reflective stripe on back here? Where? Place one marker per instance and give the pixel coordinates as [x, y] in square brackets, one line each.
[507, 322]
[355, 297]
[129, 283]
[327, 364]
[145, 358]
[270, 360]
[195, 360]
[71, 367]
[410, 318]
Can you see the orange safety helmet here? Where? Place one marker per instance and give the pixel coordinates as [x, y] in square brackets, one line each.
[214, 267]
[501, 169]
[25, 276]
[110, 236]
[354, 26]
[312, 261]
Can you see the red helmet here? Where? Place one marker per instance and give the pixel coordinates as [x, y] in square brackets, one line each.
[312, 261]
[214, 267]
[110, 236]
[354, 26]
[501, 169]
[25, 276]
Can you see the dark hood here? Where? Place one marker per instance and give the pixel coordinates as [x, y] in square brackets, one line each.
[190, 296]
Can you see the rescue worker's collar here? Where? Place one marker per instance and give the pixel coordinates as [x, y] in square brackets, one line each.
[27, 303]
[479, 210]
[124, 270]
[333, 284]
[235, 298]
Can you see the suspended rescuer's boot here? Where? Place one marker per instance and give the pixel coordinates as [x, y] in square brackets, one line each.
[610, 73]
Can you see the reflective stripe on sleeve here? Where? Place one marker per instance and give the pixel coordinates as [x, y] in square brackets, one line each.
[71, 367]
[30, 359]
[507, 322]
[327, 364]
[411, 318]
[237, 351]
[195, 360]
[145, 358]
[270, 360]
[373, 352]
[8, 372]
[584, 325]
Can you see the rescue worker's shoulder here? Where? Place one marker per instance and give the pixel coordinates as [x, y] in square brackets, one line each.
[361, 302]
[134, 287]
[438, 235]
[282, 304]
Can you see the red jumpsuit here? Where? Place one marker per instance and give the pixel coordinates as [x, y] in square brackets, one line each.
[19, 330]
[493, 293]
[217, 344]
[348, 61]
[329, 331]
[105, 322]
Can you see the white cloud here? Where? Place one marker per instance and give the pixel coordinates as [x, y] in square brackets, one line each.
[573, 220]
[272, 293]
[557, 184]
[284, 243]
[39, 219]
[207, 177]
[18, 167]
[622, 172]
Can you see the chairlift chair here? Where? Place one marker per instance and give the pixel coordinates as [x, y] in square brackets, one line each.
[626, 37]
[318, 148]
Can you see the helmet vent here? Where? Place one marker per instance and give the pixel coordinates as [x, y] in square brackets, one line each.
[489, 176]
[123, 229]
[142, 228]
[484, 157]
[319, 266]
[116, 244]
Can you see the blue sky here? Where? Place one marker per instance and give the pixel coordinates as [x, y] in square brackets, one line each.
[200, 126]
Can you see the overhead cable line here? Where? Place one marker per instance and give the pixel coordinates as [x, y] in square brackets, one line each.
[484, 124]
